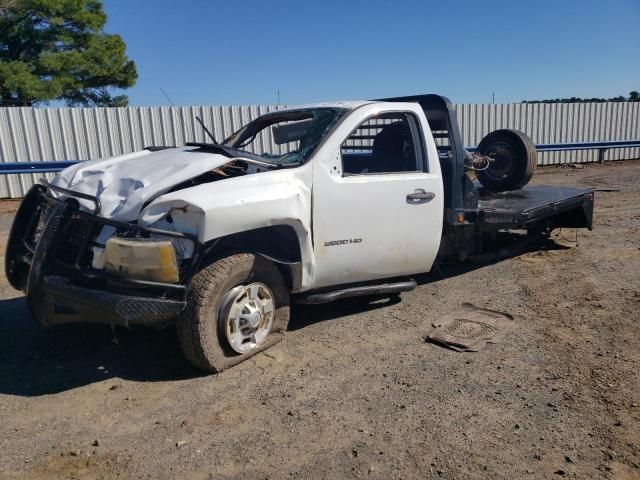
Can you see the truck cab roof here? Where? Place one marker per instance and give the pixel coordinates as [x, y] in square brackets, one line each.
[347, 105]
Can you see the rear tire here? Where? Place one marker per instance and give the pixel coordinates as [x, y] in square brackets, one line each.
[208, 335]
[515, 160]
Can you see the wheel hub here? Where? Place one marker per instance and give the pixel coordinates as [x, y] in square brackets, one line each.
[504, 160]
[254, 319]
[248, 313]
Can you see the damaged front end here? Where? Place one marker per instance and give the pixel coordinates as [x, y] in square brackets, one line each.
[77, 266]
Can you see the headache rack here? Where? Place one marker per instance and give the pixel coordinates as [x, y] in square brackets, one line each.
[70, 239]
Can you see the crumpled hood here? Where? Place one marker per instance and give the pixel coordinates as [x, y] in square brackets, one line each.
[125, 183]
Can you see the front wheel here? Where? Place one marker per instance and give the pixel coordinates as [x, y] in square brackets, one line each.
[236, 307]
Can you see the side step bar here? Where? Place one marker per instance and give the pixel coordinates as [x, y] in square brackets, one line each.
[380, 289]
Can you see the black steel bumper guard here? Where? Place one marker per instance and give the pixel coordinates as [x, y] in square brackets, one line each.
[49, 258]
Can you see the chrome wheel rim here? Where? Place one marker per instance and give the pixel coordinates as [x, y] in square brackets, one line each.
[248, 312]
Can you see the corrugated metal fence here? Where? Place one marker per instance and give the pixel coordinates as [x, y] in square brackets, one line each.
[41, 134]
[557, 123]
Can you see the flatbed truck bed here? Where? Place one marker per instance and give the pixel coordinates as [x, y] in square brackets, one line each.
[534, 204]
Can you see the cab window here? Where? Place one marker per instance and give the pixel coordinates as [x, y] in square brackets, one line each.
[386, 143]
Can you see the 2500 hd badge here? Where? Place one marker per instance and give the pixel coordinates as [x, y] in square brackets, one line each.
[342, 242]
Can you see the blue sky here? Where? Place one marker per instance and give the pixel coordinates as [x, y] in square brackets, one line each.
[213, 52]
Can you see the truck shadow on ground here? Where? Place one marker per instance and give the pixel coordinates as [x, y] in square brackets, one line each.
[36, 361]
[304, 315]
[506, 246]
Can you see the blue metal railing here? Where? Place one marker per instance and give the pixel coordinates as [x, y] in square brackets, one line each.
[56, 166]
[34, 167]
[563, 147]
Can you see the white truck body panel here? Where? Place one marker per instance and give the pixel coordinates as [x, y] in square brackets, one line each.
[321, 205]
[364, 227]
[214, 210]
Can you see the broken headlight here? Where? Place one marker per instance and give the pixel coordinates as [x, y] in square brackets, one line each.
[142, 259]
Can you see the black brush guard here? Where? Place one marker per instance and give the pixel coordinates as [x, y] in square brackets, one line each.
[49, 255]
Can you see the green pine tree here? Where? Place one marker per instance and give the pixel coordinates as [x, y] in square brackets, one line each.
[57, 50]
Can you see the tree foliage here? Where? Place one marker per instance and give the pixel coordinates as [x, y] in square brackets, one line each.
[57, 50]
[5, 5]
[634, 96]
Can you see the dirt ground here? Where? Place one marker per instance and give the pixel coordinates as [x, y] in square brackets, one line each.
[353, 391]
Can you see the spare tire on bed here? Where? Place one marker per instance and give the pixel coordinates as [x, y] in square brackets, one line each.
[514, 160]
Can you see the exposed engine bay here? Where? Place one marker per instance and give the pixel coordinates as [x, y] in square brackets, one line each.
[236, 168]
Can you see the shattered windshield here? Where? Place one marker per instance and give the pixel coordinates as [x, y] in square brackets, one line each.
[285, 138]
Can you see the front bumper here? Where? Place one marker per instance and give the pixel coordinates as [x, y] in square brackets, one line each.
[59, 301]
[49, 255]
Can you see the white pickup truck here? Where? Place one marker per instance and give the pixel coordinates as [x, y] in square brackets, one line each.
[313, 203]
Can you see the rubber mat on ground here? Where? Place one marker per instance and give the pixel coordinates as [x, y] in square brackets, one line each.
[469, 328]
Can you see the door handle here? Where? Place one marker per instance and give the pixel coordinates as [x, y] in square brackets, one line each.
[420, 195]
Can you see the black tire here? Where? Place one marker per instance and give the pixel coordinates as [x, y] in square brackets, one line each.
[200, 327]
[515, 160]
